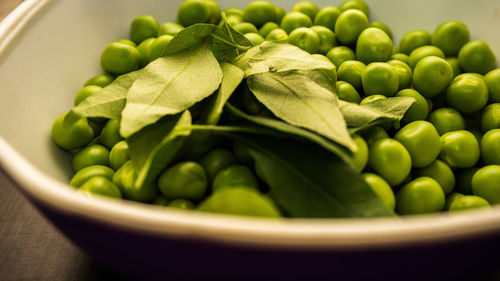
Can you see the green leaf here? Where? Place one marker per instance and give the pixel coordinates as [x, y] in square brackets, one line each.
[293, 131]
[306, 182]
[168, 86]
[110, 101]
[228, 43]
[154, 147]
[231, 79]
[359, 117]
[298, 99]
[190, 38]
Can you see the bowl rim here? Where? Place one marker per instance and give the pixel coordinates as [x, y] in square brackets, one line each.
[243, 231]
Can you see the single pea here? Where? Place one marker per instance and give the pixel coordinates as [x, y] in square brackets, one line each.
[404, 72]
[239, 201]
[413, 40]
[254, 38]
[160, 200]
[490, 117]
[214, 11]
[380, 78]
[450, 36]
[423, 52]
[460, 149]
[193, 11]
[232, 176]
[294, 20]
[242, 154]
[490, 147]
[245, 27]
[182, 204]
[372, 98]
[70, 131]
[91, 155]
[450, 198]
[492, 79]
[185, 180]
[110, 134]
[453, 61]
[464, 180]
[327, 39]
[101, 80]
[382, 189]
[86, 92]
[373, 134]
[418, 110]
[280, 13]
[142, 28]
[143, 49]
[277, 34]
[468, 202]
[355, 4]
[401, 57]
[447, 120]
[384, 27]
[125, 179]
[306, 7]
[305, 38]
[350, 71]
[327, 17]
[158, 47]
[216, 161]
[486, 183]
[259, 12]
[431, 76]
[420, 196]
[440, 172]
[476, 56]
[234, 20]
[169, 28]
[119, 155]
[360, 155]
[119, 58]
[422, 141]
[267, 28]
[99, 185]
[467, 93]
[340, 54]
[390, 159]
[126, 42]
[349, 26]
[234, 11]
[91, 171]
[347, 92]
[373, 45]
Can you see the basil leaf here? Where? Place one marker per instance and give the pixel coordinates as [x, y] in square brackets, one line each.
[154, 147]
[190, 37]
[359, 117]
[168, 86]
[231, 79]
[297, 99]
[309, 183]
[288, 129]
[228, 43]
[110, 101]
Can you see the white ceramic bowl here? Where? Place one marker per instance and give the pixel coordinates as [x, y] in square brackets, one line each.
[48, 48]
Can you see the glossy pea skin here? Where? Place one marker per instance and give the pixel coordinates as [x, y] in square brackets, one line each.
[306, 7]
[372, 98]
[234, 11]
[216, 161]
[327, 17]
[182, 204]
[404, 72]
[125, 179]
[492, 80]
[384, 27]
[101, 80]
[142, 28]
[422, 141]
[413, 40]
[450, 37]
[169, 28]
[355, 4]
[236, 175]
[490, 147]
[351, 71]
[245, 27]
[91, 171]
[346, 92]
[440, 172]
[254, 38]
[420, 196]
[447, 120]
[110, 134]
[453, 61]
[259, 12]
[86, 92]
[468, 202]
[94, 154]
[214, 11]
[490, 117]
[193, 11]
[476, 56]
[460, 149]
[423, 52]
[360, 154]
[119, 155]
[431, 76]
[126, 42]
[486, 183]
[340, 54]
[234, 20]
[185, 180]
[349, 26]
[119, 58]
[418, 110]
[158, 47]
[373, 45]
[467, 93]
[143, 49]
[327, 39]
[373, 134]
[390, 159]
[70, 131]
[294, 20]
[305, 38]
[99, 185]
[277, 34]
[280, 13]
[382, 189]
[401, 57]
[380, 78]
[239, 201]
[267, 28]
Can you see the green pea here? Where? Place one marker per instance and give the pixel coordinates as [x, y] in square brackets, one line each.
[267, 28]
[468, 202]
[373, 134]
[373, 45]
[158, 47]
[382, 26]
[277, 34]
[351, 71]
[423, 52]
[355, 4]
[239, 201]
[382, 189]
[460, 149]
[349, 26]
[327, 39]
[294, 20]
[185, 180]
[142, 28]
[242, 154]
[234, 20]
[490, 117]
[99, 185]
[492, 79]
[254, 38]
[70, 131]
[126, 42]
[447, 120]
[486, 183]
[182, 204]
[85, 92]
[347, 92]
[259, 12]
[119, 155]
[119, 58]
[232, 176]
[380, 78]
[418, 110]
[101, 80]
[245, 27]
[450, 198]
[340, 54]
[234, 11]
[420, 196]
[413, 40]
[431, 76]
[401, 57]
[453, 61]
[372, 98]
[143, 49]
[110, 134]
[327, 17]
[169, 28]
[214, 11]
[216, 161]
[490, 147]
[91, 171]
[360, 154]
[422, 141]
[440, 172]
[193, 11]
[305, 38]
[306, 7]
[160, 200]
[450, 36]
[476, 56]
[390, 159]
[404, 72]
[91, 155]
[467, 93]
[125, 179]
[280, 13]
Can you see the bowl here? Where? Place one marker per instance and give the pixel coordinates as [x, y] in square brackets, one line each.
[48, 48]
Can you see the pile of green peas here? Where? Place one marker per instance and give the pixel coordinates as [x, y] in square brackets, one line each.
[444, 155]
